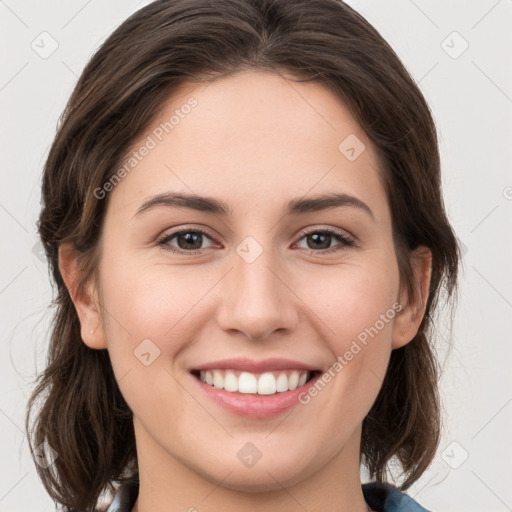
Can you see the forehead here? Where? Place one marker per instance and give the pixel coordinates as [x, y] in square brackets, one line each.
[252, 139]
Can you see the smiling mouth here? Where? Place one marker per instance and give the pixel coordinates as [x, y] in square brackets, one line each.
[264, 383]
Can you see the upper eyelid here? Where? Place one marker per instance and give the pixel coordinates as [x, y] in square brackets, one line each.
[171, 234]
[162, 239]
[335, 231]
[305, 231]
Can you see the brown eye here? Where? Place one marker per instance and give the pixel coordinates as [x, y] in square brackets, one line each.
[319, 241]
[187, 240]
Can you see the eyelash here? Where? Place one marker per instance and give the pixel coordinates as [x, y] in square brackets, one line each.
[344, 239]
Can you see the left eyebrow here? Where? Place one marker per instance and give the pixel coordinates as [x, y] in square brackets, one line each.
[325, 202]
[294, 207]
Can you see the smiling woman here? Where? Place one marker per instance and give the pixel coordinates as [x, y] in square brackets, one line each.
[244, 314]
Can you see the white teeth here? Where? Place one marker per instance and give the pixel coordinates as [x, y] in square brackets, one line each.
[293, 380]
[230, 382]
[218, 380]
[247, 383]
[282, 382]
[267, 383]
[302, 380]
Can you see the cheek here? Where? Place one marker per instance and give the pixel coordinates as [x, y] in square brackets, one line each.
[358, 309]
[150, 300]
[145, 312]
[148, 315]
[353, 300]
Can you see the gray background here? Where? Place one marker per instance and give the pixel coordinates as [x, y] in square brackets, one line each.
[470, 93]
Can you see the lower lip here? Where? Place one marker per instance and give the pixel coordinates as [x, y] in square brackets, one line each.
[253, 405]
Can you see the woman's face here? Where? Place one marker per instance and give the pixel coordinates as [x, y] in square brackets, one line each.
[279, 283]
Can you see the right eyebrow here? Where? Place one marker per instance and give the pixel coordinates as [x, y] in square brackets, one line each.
[195, 202]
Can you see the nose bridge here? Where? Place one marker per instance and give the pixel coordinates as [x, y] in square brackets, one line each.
[257, 301]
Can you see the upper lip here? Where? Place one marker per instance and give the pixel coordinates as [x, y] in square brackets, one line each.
[250, 365]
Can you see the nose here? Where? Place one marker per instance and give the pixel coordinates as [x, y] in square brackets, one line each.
[256, 299]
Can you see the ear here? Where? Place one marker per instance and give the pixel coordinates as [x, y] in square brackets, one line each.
[85, 299]
[408, 320]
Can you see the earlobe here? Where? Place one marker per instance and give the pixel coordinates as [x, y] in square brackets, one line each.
[84, 298]
[414, 304]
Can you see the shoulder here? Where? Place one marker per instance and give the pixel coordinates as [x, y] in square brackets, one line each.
[387, 498]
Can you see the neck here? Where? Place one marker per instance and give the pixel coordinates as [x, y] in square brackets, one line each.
[168, 484]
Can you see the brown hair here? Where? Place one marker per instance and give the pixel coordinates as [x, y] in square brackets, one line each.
[83, 415]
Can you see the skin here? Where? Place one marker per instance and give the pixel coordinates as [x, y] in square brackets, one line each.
[255, 140]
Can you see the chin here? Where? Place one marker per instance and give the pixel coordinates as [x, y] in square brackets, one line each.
[264, 476]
